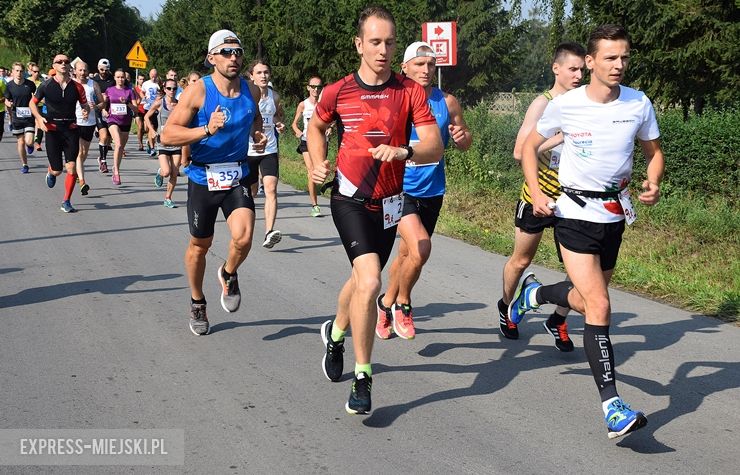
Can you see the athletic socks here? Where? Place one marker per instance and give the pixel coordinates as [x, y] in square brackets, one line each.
[600, 355]
[337, 334]
[363, 368]
[69, 185]
[556, 294]
[199, 301]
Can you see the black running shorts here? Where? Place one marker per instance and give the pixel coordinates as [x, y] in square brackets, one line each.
[525, 219]
[22, 126]
[426, 208]
[585, 237]
[87, 132]
[302, 147]
[266, 164]
[203, 206]
[100, 121]
[63, 143]
[121, 127]
[360, 228]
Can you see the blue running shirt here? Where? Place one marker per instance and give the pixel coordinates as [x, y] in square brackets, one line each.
[229, 144]
[428, 180]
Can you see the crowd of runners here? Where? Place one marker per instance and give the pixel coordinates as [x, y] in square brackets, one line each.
[575, 147]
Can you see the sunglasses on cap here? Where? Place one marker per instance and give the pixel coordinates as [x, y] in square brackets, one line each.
[227, 52]
[61, 61]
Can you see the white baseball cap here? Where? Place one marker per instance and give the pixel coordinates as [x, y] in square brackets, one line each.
[416, 49]
[103, 63]
[218, 38]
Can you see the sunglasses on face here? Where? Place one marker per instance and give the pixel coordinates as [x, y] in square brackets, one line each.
[315, 86]
[61, 61]
[171, 88]
[35, 71]
[227, 52]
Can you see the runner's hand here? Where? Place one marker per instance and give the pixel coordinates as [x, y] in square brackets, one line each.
[217, 120]
[540, 205]
[42, 124]
[260, 141]
[457, 133]
[651, 195]
[319, 174]
[386, 153]
[280, 127]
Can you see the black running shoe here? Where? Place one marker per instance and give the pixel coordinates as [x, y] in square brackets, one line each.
[559, 331]
[359, 398]
[333, 361]
[198, 319]
[508, 328]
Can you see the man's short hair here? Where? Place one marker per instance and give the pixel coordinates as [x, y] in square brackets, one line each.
[606, 32]
[375, 11]
[564, 49]
[257, 61]
[19, 64]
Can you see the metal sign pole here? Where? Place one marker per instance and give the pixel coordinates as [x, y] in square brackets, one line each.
[439, 77]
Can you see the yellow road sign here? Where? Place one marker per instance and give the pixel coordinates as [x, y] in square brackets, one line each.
[137, 53]
[137, 64]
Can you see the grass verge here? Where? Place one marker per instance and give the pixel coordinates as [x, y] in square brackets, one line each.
[684, 252]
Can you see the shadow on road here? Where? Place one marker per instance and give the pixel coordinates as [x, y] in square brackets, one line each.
[88, 233]
[320, 242]
[497, 374]
[109, 286]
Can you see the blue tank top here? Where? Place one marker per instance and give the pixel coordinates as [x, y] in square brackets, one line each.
[229, 144]
[428, 180]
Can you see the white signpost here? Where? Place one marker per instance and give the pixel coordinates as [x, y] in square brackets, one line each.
[442, 37]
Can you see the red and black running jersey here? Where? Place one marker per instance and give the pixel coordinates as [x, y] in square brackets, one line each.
[369, 116]
[61, 104]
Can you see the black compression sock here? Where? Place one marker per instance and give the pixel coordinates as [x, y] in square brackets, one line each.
[600, 355]
[199, 301]
[556, 293]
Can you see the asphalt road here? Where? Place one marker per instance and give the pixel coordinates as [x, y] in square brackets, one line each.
[94, 312]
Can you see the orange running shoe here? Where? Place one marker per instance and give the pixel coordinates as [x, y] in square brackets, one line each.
[403, 323]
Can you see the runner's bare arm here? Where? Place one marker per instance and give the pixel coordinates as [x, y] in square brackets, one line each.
[317, 149]
[529, 167]
[150, 113]
[459, 131]
[298, 113]
[655, 170]
[534, 112]
[258, 136]
[178, 131]
[428, 150]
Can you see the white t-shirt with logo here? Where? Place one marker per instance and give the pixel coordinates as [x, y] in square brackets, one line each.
[151, 91]
[599, 143]
[268, 109]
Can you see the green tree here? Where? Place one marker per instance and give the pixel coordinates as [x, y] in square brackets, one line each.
[684, 52]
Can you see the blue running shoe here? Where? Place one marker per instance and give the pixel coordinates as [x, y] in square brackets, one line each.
[621, 420]
[158, 179]
[24, 169]
[51, 180]
[67, 207]
[29, 149]
[521, 301]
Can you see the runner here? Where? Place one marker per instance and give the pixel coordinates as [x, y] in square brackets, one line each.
[305, 110]
[140, 112]
[18, 94]
[59, 123]
[216, 116]
[424, 189]
[104, 78]
[35, 77]
[169, 157]
[567, 66]
[374, 108]
[122, 104]
[87, 123]
[151, 91]
[2, 110]
[599, 122]
[266, 163]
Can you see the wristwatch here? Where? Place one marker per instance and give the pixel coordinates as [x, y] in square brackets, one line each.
[410, 151]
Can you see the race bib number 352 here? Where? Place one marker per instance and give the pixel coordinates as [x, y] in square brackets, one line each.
[223, 176]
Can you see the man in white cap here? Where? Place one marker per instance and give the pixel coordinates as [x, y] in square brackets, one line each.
[105, 80]
[424, 189]
[216, 117]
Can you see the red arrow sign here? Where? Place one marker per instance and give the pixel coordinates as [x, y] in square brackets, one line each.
[438, 30]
